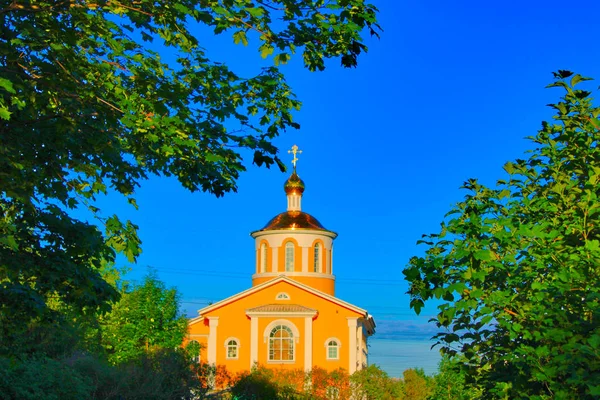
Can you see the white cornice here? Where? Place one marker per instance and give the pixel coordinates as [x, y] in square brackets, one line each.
[299, 231]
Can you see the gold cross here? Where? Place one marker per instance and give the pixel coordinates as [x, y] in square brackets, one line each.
[294, 151]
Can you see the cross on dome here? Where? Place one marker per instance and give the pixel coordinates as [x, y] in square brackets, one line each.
[294, 151]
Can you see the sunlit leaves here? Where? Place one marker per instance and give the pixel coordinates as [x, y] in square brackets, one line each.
[516, 267]
[88, 106]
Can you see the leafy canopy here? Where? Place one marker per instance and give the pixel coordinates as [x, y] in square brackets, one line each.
[88, 105]
[517, 267]
[147, 317]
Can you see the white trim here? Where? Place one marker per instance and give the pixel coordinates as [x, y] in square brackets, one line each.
[284, 296]
[283, 278]
[237, 348]
[298, 231]
[339, 346]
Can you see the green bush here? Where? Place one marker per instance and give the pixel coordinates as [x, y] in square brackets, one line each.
[41, 378]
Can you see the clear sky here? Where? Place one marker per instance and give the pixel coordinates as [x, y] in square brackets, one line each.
[448, 93]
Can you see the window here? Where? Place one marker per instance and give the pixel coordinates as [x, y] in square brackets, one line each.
[231, 347]
[317, 260]
[282, 296]
[332, 350]
[332, 347]
[263, 257]
[281, 344]
[289, 257]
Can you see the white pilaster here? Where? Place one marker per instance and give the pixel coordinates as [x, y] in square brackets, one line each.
[352, 322]
[359, 346]
[304, 259]
[213, 322]
[308, 325]
[253, 341]
[274, 259]
[258, 271]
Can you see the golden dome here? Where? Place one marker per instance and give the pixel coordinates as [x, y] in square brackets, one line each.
[292, 220]
[294, 184]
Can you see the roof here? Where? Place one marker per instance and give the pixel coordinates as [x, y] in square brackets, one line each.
[281, 278]
[292, 220]
[280, 308]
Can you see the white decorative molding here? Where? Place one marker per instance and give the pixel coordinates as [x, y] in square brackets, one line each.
[285, 322]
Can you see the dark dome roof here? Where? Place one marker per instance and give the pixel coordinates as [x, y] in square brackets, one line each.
[293, 220]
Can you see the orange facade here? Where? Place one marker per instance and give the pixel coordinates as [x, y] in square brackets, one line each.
[290, 317]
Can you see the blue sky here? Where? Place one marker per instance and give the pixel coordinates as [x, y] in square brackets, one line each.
[448, 93]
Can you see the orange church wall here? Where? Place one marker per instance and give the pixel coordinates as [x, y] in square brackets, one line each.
[331, 321]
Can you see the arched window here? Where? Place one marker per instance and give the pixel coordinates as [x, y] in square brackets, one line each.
[282, 296]
[333, 349]
[263, 257]
[281, 344]
[317, 258]
[289, 257]
[231, 348]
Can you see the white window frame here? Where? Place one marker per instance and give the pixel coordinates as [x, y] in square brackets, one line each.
[295, 337]
[338, 346]
[290, 341]
[227, 346]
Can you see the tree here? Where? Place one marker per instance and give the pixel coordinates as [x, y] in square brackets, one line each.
[373, 383]
[517, 267]
[450, 382]
[88, 105]
[146, 318]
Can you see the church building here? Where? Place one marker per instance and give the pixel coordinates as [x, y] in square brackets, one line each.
[290, 317]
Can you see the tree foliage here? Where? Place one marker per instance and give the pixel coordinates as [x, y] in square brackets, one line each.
[517, 267]
[96, 96]
[146, 318]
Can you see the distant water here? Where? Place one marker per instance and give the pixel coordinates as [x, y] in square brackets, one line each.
[395, 356]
